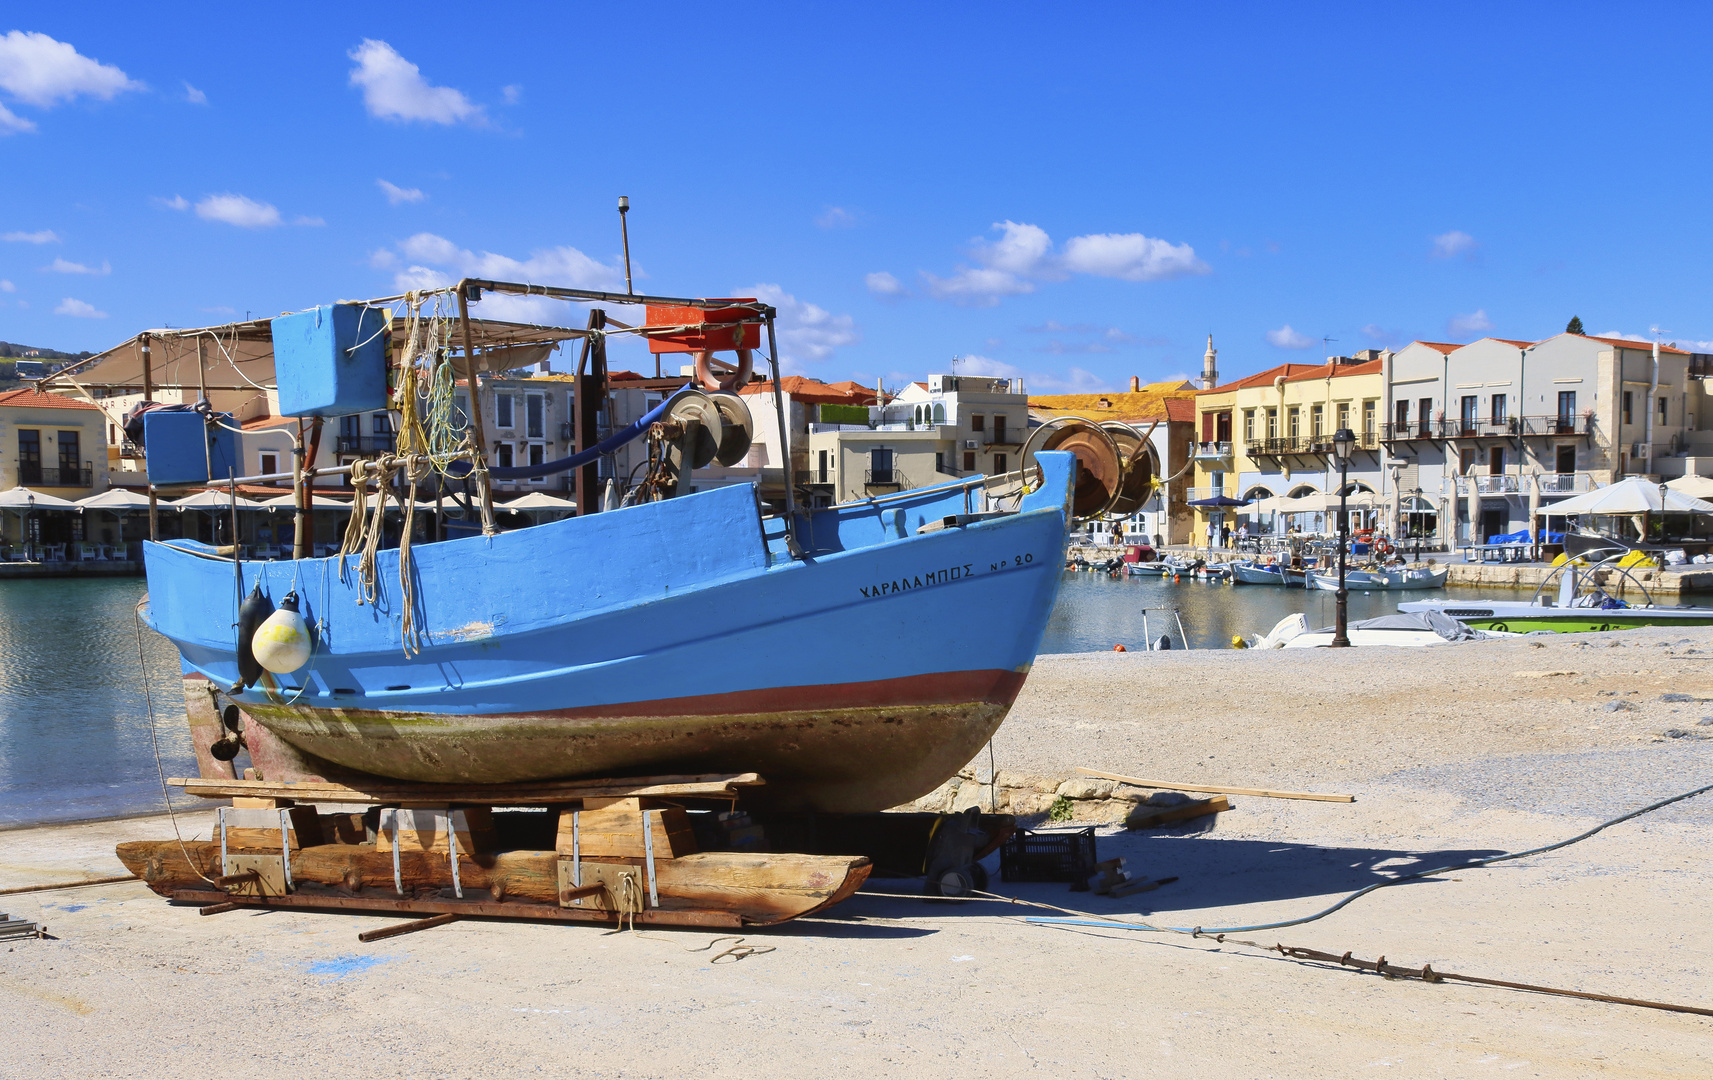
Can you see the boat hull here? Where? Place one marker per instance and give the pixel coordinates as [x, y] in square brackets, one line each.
[670, 637]
[1522, 618]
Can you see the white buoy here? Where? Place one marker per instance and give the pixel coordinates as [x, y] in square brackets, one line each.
[282, 644]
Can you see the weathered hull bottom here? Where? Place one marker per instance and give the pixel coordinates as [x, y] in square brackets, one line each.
[850, 748]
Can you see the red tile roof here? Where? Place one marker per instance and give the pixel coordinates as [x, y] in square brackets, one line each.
[1440, 346]
[1321, 371]
[1181, 409]
[815, 392]
[1642, 346]
[1265, 378]
[35, 399]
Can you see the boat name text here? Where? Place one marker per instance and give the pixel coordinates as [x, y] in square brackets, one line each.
[938, 577]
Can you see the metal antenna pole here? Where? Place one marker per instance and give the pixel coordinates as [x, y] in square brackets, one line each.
[624, 230]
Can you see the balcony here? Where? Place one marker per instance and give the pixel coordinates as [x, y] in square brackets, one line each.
[1409, 430]
[1551, 484]
[1557, 425]
[366, 444]
[1502, 484]
[1566, 483]
[1212, 451]
[1507, 427]
[72, 477]
[883, 478]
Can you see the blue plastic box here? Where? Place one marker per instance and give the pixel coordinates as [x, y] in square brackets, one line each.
[181, 449]
[331, 360]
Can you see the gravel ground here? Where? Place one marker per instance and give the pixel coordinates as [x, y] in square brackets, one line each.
[1453, 752]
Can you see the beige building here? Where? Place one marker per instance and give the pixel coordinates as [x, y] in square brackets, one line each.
[948, 427]
[57, 446]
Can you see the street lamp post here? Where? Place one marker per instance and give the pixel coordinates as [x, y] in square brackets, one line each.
[1343, 442]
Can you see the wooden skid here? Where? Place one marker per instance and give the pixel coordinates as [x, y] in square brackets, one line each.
[754, 888]
[708, 786]
[466, 908]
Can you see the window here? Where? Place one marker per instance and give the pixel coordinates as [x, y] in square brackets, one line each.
[1248, 425]
[1317, 421]
[999, 464]
[1566, 407]
[880, 466]
[383, 424]
[68, 458]
[1629, 405]
[1498, 408]
[1496, 461]
[537, 455]
[1402, 420]
[269, 463]
[350, 427]
[1369, 408]
[969, 461]
[1222, 430]
[1466, 462]
[503, 455]
[1566, 460]
[1662, 402]
[1207, 422]
[939, 412]
[1424, 416]
[978, 422]
[1272, 423]
[503, 411]
[1217, 480]
[1344, 414]
[1292, 421]
[535, 409]
[999, 433]
[1469, 413]
[29, 457]
[821, 473]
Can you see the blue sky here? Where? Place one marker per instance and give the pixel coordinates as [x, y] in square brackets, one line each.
[1074, 194]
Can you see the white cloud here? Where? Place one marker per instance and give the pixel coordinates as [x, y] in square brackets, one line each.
[314, 222]
[1130, 257]
[66, 266]
[194, 96]
[7, 286]
[45, 236]
[1475, 322]
[177, 202]
[394, 89]
[808, 333]
[435, 262]
[12, 124]
[1451, 244]
[397, 195]
[1023, 255]
[1286, 338]
[77, 309]
[512, 94]
[987, 366]
[884, 285]
[37, 70]
[1074, 381]
[1623, 336]
[382, 259]
[239, 210]
[836, 217]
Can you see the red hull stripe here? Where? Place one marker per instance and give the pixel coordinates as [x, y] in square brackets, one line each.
[947, 688]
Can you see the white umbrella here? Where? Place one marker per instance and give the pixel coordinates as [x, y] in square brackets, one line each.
[317, 502]
[116, 500]
[1475, 536]
[22, 498]
[538, 500]
[1534, 505]
[1701, 487]
[1633, 496]
[213, 500]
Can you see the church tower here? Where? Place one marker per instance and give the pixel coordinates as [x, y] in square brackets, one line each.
[1209, 370]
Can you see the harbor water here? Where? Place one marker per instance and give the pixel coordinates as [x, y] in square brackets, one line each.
[75, 736]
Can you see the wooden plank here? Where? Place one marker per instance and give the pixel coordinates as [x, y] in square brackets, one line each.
[661, 916]
[1182, 812]
[711, 786]
[617, 833]
[1259, 793]
[760, 888]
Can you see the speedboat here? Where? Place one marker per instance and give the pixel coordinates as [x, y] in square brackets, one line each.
[1523, 616]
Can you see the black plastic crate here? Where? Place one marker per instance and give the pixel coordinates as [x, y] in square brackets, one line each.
[1048, 856]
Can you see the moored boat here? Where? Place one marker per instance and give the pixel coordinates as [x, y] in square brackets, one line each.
[1521, 616]
[1417, 577]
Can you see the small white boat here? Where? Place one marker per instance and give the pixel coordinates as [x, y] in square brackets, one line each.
[1258, 573]
[1412, 629]
[1413, 577]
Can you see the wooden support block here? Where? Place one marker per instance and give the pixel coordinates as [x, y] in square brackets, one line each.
[254, 875]
[254, 827]
[244, 802]
[617, 834]
[424, 829]
[1148, 817]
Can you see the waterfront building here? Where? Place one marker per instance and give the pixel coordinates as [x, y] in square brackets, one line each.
[948, 427]
[1474, 429]
[1269, 436]
[1169, 408]
[53, 445]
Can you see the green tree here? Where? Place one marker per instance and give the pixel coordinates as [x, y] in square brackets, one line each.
[1575, 325]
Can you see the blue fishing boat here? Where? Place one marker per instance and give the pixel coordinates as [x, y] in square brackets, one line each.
[856, 656]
